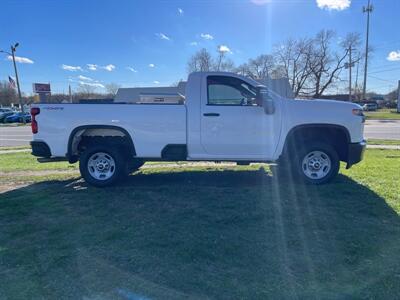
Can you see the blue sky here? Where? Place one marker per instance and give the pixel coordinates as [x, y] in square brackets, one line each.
[146, 43]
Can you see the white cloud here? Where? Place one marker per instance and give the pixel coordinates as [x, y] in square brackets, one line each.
[206, 36]
[260, 2]
[85, 78]
[109, 67]
[131, 69]
[180, 11]
[92, 67]
[394, 56]
[71, 68]
[163, 36]
[21, 60]
[224, 48]
[98, 85]
[152, 65]
[333, 4]
[156, 82]
[193, 43]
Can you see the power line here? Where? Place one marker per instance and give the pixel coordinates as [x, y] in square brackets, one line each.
[381, 67]
[387, 70]
[391, 81]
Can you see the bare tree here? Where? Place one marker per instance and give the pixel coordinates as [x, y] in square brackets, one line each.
[222, 63]
[294, 58]
[313, 66]
[86, 90]
[220, 58]
[112, 89]
[242, 69]
[227, 65]
[58, 98]
[261, 67]
[200, 61]
[328, 64]
[8, 95]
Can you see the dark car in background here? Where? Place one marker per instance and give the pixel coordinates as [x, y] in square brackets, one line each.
[18, 118]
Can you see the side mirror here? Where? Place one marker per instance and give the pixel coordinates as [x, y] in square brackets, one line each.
[267, 101]
[269, 106]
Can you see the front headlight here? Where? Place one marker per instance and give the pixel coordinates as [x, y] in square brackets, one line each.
[359, 112]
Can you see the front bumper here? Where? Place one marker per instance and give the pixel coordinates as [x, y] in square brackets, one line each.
[355, 153]
[40, 149]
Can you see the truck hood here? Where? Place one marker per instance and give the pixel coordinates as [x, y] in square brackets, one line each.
[321, 111]
[323, 103]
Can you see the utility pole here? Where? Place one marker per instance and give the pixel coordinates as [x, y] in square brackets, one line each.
[13, 48]
[367, 10]
[12, 54]
[398, 98]
[70, 93]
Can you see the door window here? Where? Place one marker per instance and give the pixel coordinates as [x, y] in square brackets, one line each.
[225, 90]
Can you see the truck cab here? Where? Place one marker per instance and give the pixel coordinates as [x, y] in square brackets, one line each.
[231, 118]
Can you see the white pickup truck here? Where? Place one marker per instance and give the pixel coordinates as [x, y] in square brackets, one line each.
[225, 117]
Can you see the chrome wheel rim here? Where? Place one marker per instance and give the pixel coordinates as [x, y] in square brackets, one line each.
[101, 166]
[316, 165]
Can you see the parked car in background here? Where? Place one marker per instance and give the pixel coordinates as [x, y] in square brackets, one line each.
[379, 100]
[370, 107]
[18, 118]
[5, 109]
[4, 114]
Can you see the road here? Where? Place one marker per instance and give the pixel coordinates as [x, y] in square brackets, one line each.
[11, 136]
[382, 129]
[374, 129]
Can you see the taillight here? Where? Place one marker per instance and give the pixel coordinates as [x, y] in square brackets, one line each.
[34, 112]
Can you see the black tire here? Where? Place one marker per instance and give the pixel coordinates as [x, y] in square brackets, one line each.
[307, 153]
[134, 165]
[119, 170]
[282, 171]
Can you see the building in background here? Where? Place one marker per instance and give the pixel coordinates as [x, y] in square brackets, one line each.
[176, 94]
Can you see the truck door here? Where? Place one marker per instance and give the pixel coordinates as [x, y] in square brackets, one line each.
[233, 125]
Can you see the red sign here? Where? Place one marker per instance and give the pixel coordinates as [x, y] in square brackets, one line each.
[41, 88]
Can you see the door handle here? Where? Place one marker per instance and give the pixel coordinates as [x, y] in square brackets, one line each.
[211, 114]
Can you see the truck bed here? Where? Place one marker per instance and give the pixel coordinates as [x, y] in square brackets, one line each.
[151, 126]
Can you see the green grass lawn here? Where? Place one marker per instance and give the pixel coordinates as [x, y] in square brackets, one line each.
[203, 232]
[383, 142]
[13, 124]
[383, 114]
[24, 161]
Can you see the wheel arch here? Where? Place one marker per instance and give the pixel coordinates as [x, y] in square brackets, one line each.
[96, 130]
[322, 132]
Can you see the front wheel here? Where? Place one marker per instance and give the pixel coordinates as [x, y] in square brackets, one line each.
[317, 163]
[102, 165]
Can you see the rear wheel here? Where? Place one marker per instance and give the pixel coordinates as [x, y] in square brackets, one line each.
[102, 165]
